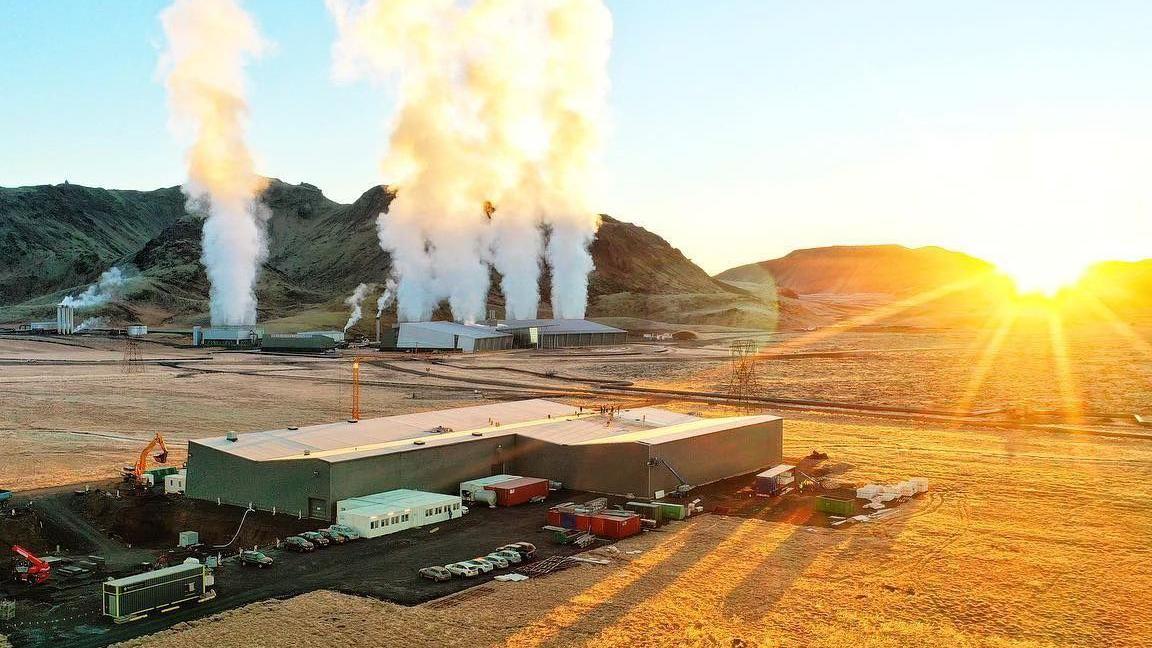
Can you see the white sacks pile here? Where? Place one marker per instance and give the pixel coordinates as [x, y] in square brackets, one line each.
[889, 492]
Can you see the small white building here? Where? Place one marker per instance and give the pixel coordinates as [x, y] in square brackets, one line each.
[383, 513]
[137, 330]
[447, 336]
[175, 484]
[234, 336]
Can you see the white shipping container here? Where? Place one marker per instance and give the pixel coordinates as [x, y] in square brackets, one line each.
[176, 483]
[476, 485]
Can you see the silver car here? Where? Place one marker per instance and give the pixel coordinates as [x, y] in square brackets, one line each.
[481, 564]
[501, 561]
[463, 569]
[513, 557]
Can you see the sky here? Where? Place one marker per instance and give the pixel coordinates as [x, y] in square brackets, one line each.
[739, 131]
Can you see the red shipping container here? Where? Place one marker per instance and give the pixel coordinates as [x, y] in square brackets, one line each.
[617, 527]
[519, 491]
[554, 518]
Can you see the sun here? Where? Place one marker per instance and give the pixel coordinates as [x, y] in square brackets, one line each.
[1046, 272]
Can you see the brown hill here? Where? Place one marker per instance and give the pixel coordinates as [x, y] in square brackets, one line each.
[888, 269]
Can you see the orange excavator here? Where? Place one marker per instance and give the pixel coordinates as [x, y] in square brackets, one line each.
[29, 568]
[135, 473]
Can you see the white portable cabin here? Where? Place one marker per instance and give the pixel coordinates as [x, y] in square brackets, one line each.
[382, 513]
[176, 483]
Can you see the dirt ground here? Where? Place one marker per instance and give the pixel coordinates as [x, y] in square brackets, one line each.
[1021, 542]
[1027, 538]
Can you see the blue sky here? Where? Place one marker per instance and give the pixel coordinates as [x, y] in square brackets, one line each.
[1017, 131]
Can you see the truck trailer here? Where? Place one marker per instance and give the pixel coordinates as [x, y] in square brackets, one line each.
[135, 596]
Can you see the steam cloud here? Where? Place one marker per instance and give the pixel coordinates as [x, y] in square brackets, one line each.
[91, 323]
[106, 288]
[354, 301]
[500, 101]
[386, 297]
[209, 42]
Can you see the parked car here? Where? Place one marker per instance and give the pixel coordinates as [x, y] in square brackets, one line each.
[513, 557]
[254, 558]
[463, 569]
[316, 538]
[345, 530]
[526, 549]
[436, 573]
[486, 561]
[296, 543]
[333, 537]
[483, 565]
[500, 561]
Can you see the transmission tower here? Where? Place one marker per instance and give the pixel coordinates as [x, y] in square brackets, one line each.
[742, 379]
[132, 362]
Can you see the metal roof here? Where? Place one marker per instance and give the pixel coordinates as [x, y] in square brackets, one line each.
[776, 471]
[539, 419]
[399, 499]
[188, 568]
[456, 328]
[559, 326]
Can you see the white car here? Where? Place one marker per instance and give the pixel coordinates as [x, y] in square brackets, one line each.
[513, 557]
[500, 561]
[482, 565]
[463, 569]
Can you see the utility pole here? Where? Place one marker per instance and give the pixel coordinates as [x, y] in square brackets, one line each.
[356, 388]
[742, 379]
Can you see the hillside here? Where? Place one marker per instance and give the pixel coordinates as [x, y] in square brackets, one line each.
[318, 251]
[864, 269]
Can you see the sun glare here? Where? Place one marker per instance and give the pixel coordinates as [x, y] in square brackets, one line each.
[1044, 273]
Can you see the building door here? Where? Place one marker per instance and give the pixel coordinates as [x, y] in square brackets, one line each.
[318, 508]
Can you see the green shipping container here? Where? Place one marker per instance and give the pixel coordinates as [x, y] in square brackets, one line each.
[160, 473]
[835, 506]
[672, 511]
[162, 588]
[646, 510]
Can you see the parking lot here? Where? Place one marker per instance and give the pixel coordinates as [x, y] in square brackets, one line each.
[384, 568]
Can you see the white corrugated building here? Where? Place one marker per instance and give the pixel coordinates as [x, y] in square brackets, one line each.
[383, 513]
[560, 333]
[446, 336]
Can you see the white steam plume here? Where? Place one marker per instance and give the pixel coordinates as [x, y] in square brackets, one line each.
[106, 288]
[209, 43]
[501, 101]
[386, 297]
[355, 301]
[91, 323]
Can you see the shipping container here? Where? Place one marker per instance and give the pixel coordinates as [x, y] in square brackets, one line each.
[672, 511]
[142, 593]
[835, 505]
[648, 510]
[615, 527]
[467, 488]
[518, 491]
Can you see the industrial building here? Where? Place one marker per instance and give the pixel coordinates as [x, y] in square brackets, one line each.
[561, 333]
[645, 452]
[227, 336]
[296, 343]
[65, 319]
[445, 336]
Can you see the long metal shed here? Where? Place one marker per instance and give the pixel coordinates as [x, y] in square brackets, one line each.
[135, 595]
[561, 333]
[446, 336]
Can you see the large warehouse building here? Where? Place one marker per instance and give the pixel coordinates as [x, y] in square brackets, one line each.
[561, 333]
[501, 335]
[645, 452]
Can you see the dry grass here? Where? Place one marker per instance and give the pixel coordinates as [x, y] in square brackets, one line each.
[1024, 541]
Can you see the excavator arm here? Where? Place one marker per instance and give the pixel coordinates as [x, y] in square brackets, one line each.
[159, 457]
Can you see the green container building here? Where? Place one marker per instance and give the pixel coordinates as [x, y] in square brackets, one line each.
[134, 595]
[672, 511]
[835, 505]
[647, 510]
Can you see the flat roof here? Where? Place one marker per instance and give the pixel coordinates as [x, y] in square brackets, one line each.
[539, 419]
[147, 576]
[456, 328]
[559, 326]
[401, 498]
[776, 470]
